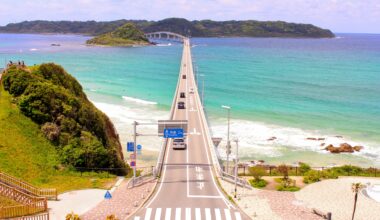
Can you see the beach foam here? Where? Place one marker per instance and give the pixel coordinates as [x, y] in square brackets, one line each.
[140, 101]
[253, 138]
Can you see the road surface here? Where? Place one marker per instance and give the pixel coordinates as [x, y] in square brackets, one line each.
[187, 188]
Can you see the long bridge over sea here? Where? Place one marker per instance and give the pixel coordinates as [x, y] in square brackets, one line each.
[187, 188]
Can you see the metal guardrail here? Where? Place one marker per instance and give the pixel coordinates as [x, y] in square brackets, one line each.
[28, 188]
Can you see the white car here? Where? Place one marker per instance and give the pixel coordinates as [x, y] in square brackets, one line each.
[179, 144]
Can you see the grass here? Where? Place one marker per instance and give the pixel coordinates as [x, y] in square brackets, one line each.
[25, 153]
[4, 201]
[258, 184]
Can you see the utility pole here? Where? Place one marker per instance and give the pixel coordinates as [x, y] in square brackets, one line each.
[134, 150]
[236, 165]
[228, 150]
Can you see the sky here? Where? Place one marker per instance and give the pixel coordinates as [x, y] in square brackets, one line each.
[340, 16]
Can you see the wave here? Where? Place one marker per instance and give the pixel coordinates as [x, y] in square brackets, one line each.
[268, 140]
[164, 45]
[33, 49]
[140, 101]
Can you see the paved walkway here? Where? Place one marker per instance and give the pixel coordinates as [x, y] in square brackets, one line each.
[123, 202]
[270, 205]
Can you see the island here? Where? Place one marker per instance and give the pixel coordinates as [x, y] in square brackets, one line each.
[196, 28]
[127, 35]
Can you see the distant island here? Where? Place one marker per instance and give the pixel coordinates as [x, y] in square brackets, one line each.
[202, 28]
[126, 35]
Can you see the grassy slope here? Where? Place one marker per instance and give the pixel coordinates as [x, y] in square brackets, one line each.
[26, 154]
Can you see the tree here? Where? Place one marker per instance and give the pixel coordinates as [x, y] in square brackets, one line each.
[284, 170]
[355, 188]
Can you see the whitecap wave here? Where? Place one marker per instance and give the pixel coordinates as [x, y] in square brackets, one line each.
[164, 45]
[33, 49]
[255, 137]
[140, 101]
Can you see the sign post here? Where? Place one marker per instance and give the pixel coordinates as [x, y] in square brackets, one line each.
[108, 195]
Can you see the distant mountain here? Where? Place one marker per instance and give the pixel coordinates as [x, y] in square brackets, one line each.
[126, 35]
[202, 28]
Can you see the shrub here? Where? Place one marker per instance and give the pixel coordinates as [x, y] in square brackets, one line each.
[72, 216]
[288, 188]
[112, 217]
[311, 176]
[51, 131]
[304, 167]
[258, 183]
[348, 170]
[257, 172]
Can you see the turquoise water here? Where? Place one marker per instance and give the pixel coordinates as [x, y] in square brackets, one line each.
[288, 88]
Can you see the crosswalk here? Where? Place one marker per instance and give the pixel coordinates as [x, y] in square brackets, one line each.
[189, 214]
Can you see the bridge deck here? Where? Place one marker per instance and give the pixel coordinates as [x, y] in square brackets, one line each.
[187, 186]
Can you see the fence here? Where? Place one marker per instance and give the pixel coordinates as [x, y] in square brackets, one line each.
[271, 170]
[26, 187]
[144, 174]
[42, 216]
[29, 203]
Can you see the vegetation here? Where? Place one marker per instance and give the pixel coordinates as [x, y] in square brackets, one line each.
[72, 216]
[313, 176]
[286, 184]
[261, 183]
[257, 172]
[304, 167]
[203, 28]
[126, 35]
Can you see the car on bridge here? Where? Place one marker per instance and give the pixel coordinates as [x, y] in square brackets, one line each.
[181, 105]
[182, 95]
[183, 76]
[179, 144]
[191, 90]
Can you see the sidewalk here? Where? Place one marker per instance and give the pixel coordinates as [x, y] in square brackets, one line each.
[123, 203]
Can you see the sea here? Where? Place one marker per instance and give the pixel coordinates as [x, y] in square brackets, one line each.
[283, 93]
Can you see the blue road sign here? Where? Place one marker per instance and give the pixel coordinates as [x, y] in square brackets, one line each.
[139, 147]
[173, 133]
[108, 195]
[130, 147]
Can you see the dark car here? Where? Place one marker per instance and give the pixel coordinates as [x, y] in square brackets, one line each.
[182, 95]
[183, 76]
[181, 105]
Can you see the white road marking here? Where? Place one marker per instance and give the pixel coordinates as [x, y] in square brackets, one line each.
[198, 214]
[188, 213]
[200, 185]
[168, 213]
[148, 213]
[158, 214]
[208, 214]
[218, 216]
[227, 213]
[178, 214]
[237, 216]
[137, 218]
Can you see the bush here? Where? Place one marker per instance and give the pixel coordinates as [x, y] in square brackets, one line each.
[288, 188]
[304, 167]
[51, 131]
[257, 172]
[258, 183]
[72, 216]
[311, 176]
[347, 170]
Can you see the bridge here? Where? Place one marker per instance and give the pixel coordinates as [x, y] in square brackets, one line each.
[165, 35]
[188, 186]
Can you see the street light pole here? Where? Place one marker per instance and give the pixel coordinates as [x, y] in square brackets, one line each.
[134, 150]
[228, 150]
[236, 165]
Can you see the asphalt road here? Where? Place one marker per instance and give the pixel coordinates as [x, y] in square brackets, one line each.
[187, 188]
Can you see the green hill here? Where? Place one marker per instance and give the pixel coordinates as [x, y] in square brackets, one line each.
[126, 35]
[48, 127]
[202, 28]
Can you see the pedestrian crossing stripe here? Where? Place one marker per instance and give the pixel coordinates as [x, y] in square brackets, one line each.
[189, 214]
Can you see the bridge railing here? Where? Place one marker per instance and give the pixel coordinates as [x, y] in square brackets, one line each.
[163, 150]
[28, 188]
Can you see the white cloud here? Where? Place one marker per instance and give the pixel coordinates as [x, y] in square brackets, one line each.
[338, 15]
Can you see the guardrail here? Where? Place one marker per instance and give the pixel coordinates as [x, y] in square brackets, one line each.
[29, 204]
[147, 174]
[162, 154]
[28, 188]
[212, 149]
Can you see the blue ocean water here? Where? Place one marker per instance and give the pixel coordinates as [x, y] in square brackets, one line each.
[290, 89]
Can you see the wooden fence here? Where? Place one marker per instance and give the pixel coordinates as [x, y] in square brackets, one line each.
[41, 216]
[29, 204]
[26, 187]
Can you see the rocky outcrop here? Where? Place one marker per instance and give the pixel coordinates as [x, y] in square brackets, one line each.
[343, 148]
[271, 139]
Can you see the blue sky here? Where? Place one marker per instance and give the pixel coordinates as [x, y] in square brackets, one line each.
[353, 16]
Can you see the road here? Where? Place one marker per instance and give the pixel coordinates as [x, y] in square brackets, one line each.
[187, 188]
